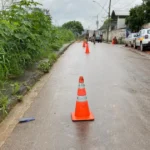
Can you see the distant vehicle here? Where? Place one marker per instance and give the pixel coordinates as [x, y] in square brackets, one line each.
[98, 38]
[129, 41]
[143, 39]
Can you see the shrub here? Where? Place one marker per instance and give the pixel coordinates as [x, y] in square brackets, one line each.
[27, 35]
[3, 104]
[44, 67]
[52, 58]
[15, 87]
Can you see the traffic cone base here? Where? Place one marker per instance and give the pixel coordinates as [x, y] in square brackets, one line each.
[82, 112]
[113, 42]
[75, 118]
[87, 49]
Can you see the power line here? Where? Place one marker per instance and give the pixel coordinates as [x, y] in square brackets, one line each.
[105, 3]
[127, 5]
[100, 5]
[102, 12]
[117, 1]
[103, 8]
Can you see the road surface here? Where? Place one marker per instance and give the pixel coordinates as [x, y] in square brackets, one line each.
[118, 88]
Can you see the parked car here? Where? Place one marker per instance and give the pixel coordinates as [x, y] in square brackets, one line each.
[143, 39]
[98, 38]
[129, 41]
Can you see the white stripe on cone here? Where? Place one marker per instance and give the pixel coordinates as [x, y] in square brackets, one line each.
[82, 98]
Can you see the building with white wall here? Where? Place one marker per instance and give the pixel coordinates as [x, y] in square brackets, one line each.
[118, 19]
[117, 25]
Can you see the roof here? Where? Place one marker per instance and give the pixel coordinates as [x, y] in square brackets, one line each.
[120, 13]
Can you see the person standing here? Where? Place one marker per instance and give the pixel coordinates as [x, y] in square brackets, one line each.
[101, 36]
[87, 35]
[94, 37]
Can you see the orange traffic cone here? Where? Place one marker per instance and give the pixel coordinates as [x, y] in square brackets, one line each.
[113, 42]
[82, 111]
[84, 43]
[87, 49]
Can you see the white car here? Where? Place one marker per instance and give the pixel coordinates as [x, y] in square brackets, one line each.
[129, 41]
[143, 39]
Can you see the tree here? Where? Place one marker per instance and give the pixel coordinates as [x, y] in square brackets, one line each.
[147, 10]
[139, 16]
[75, 26]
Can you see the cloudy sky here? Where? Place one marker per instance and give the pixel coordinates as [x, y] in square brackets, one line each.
[84, 10]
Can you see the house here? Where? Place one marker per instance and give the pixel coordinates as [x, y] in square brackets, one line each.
[103, 30]
[117, 27]
[118, 19]
[90, 32]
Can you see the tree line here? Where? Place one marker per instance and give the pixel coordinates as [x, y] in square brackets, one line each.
[139, 16]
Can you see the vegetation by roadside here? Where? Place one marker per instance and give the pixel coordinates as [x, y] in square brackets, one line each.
[74, 26]
[27, 37]
[139, 16]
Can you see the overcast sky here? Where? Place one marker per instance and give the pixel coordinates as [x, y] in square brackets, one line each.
[84, 10]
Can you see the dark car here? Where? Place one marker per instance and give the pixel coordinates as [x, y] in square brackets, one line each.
[98, 38]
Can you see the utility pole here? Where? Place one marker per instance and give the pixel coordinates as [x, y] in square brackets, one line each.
[108, 21]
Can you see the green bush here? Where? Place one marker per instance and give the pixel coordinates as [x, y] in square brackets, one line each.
[52, 58]
[44, 67]
[3, 104]
[15, 88]
[27, 35]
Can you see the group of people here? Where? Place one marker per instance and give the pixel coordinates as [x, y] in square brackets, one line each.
[93, 37]
[114, 40]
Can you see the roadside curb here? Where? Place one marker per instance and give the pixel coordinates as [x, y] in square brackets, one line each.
[140, 53]
[24, 88]
[137, 52]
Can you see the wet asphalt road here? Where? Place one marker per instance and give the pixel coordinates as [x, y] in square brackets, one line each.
[117, 82]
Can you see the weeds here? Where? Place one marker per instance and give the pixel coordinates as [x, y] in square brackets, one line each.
[52, 58]
[3, 104]
[16, 87]
[19, 98]
[44, 67]
[27, 36]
